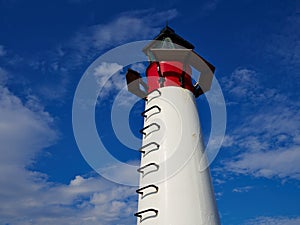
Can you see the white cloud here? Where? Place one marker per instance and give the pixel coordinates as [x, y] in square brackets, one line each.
[109, 78]
[139, 67]
[242, 189]
[124, 173]
[264, 143]
[129, 26]
[87, 44]
[84, 201]
[23, 132]
[27, 197]
[105, 70]
[283, 163]
[228, 141]
[243, 86]
[23, 127]
[241, 81]
[267, 144]
[51, 69]
[274, 221]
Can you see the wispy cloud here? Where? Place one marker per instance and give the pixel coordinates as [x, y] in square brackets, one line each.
[281, 163]
[111, 79]
[242, 189]
[128, 26]
[47, 68]
[284, 45]
[267, 144]
[210, 5]
[139, 67]
[274, 221]
[264, 143]
[243, 86]
[108, 78]
[60, 64]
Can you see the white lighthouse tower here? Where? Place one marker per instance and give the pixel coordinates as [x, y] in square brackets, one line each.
[175, 182]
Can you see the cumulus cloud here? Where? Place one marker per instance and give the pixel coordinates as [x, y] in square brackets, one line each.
[23, 132]
[86, 201]
[23, 127]
[27, 197]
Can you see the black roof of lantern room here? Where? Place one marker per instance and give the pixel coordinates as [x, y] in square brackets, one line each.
[170, 33]
[164, 52]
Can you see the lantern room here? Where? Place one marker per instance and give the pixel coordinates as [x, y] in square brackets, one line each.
[171, 59]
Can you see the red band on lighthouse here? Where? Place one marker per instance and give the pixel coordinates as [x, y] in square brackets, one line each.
[169, 73]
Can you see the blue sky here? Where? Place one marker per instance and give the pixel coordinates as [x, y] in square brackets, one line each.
[45, 48]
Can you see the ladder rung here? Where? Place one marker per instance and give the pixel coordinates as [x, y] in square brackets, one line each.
[151, 186]
[147, 127]
[155, 96]
[141, 169]
[144, 114]
[140, 214]
[143, 149]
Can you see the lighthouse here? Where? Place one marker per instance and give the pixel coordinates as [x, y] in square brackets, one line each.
[175, 185]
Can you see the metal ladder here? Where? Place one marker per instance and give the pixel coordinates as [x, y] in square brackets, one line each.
[151, 167]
